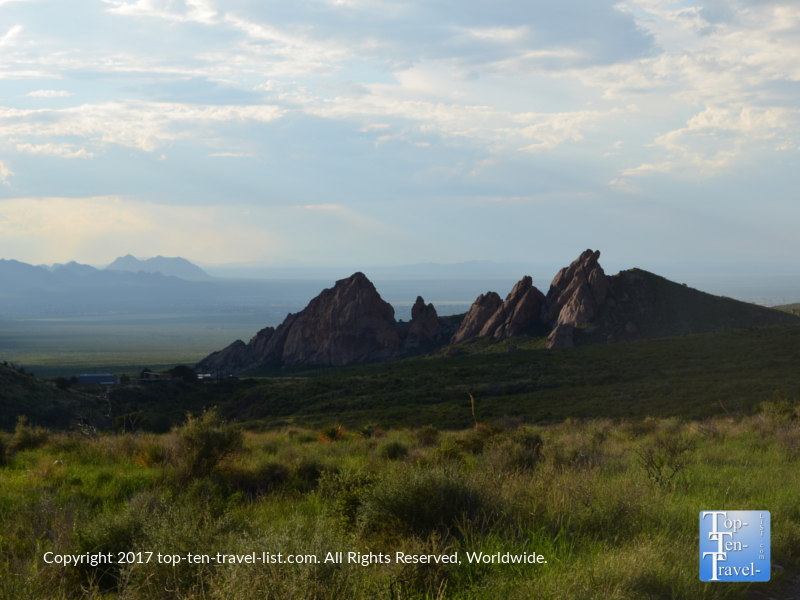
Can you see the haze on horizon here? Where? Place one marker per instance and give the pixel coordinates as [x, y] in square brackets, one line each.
[359, 132]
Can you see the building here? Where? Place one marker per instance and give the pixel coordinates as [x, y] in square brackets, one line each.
[99, 379]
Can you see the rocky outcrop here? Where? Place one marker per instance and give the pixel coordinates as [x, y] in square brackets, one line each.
[346, 324]
[520, 310]
[264, 348]
[561, 337]
[577, 291]
[424, 325]
[351, 323]
[481, 311]
[575, 296]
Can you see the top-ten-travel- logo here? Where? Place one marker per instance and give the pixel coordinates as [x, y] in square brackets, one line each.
[734, 545]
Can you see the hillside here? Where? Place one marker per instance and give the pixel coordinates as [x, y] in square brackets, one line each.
[42, 402]
[657, 307]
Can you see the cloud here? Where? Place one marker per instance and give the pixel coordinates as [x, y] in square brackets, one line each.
[5, 172]
[109, 226]
[8, 38]
[50, 149]
[142, 125]
[49, 94]
[104, 227]
[231, 154]
[496, 34]
[322, 207]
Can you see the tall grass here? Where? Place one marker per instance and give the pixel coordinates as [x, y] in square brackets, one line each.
[582, 494]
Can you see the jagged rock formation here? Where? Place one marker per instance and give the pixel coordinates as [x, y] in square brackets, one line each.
[351, 323]
[346, 324]
[574, 298]
[481, 311]
[577, 291]
[520, 310]
[424, 325]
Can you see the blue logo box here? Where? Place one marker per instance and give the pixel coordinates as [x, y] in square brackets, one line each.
[734, 545]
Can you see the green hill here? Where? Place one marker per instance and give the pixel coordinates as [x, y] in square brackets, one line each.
[657, 307]
[41, 401]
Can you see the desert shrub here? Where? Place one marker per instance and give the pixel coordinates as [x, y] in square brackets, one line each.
[334, 433]
[448, 450]
[307, 470]
[420, 501]
[203, 442]
[27, 437]
[428, 435]
[576, 449]
[149, 453]
[4, 450]
[111, 532]
[345, 491]
[129, 423]
[265, 477]
[788, 438]
[782, 411]
[665, 460]
[515, 453]
[370, 430]
[294, 535]
[200, 523]
[393, 450]
[713, 429]
[642, 427]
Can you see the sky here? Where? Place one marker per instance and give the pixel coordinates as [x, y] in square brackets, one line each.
[366, 132]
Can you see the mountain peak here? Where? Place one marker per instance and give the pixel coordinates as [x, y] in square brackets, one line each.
[177, 266]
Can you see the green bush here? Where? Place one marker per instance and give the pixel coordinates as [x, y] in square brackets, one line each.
[3, 450]
[27, 437]
[420, 501]
[346, 491]
[203, 442]
[393, 450]
[511, 455]
[112, 532]
[428, 435]
[149, 453]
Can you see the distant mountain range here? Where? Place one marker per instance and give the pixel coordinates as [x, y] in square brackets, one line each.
[177, 266]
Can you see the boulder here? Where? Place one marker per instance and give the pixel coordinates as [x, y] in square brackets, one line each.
[425, 323]
[520, 310]
[481, 311]
[346, 324]
[561, 337]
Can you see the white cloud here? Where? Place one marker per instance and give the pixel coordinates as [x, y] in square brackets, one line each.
[322, 207]
[143, 125]
[49, 94]
[5, 172]
[8, 38]
[496, 34]
[197, 11]
[50, 149]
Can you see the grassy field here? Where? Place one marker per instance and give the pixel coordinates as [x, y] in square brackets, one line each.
[584, 495]
[119, 344]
